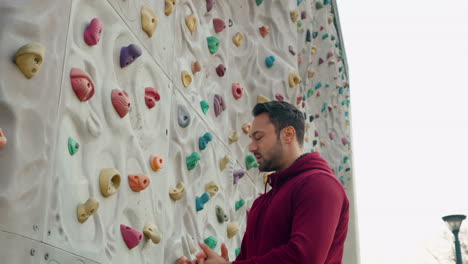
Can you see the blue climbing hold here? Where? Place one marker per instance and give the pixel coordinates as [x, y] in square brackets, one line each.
[324, 107]
[318, 85]
[203, 140]
[327, 85]
[270, 61]
[315, 34]
[341, 90]
[201, 201]
[299, 2]
[308, 36]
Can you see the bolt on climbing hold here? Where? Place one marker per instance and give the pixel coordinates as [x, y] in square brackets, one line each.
[308, 36]
[211, 241]
[129, 54]
[232, 229]
[177, 192]
[156, 162]
[294, 15]
[270, 61]
[330, 18]
[203, 140]
[84, 211]
[324, 107]
[191, 22]
[3, 139]
[279, 97]
[320, 61]
[220, 70]
[237, 251]
[299, 59]
[237, 175]
[82, 84]
[299, 24]
[149, 20]
[151, 97]
[294, 79]
[233, 137]
[138, 182]
[264, 31]
[212, 188]
[259, 2]
[219, 104]
[220, 215]
[204, 106]
[209, 5]
[265, 176]
[93, 32]
[250, 161]
[344, 141]
[196, 67]
[262, 99]
[109, 181]
[345, 159]
[331, 135]
[303, 15]
[73, 146]
[183, 116]
[218, 24]
[313, 49]
[246, 127]
[314, 34]
[238, 39]
[121, 102]
[318, 85]
[152, 232]
[131, 236]
[318, 4]
[326, 2]
[325, 35]
[213, 44]
[239, 204]
[291, 50]
[29, 59]
[237, 90]
[224, 162]
[186, 78]
[192, 160]
[201, 201]
[168, 7]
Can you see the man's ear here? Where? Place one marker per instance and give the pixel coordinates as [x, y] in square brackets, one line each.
[288, 134]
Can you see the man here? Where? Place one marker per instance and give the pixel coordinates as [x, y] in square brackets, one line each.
[304, 218]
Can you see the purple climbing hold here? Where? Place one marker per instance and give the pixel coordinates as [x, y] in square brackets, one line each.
[291, 50]
[129, 54]
[303, 15]
[219, 105]
[279, 97]
[238, 174]
[320, 61]
[316, 133]
[220, 70]
[209, 5]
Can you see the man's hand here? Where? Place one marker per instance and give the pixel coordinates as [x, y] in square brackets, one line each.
[208, 256]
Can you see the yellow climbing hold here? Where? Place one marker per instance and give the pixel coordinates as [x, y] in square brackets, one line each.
[186, 78]
[294, 79]
[294, 15]
[224, 162]
[149, 21]
[233, 137]
[238, 39]
[191, 22]
[262, 99]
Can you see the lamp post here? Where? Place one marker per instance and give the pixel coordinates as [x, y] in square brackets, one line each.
[454, 222]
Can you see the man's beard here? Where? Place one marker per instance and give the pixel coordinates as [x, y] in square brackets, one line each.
[272, 164]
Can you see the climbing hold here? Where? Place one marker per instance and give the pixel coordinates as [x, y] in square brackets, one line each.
[330, 18]
[233, 137]
[314, 34]
[219, 105]
[237, 175]
[330, 54]
[209, 5]
[250, 161]
[138, 182]
[109, 181]
[299, 24]
[196, 67]
[218, 25]
[211, 241]
[331, 62]
[220, 215]
[264, 30]
[121, 102]
[344, 141]
[299, 59]
[310, 92]
[318, 4]
[310, 74]
[151, 231]
[324, 107]
[237, 90]
[203, 140]
[212, 188]
[308, 36]
[322, 143]
[183, 116]
[232, 229]
[93, 32]
[265, 176]
[326, 2]
[156, 162]
[320, 61]
[192, 160]
[316, 133]
[246, 127]
[213, 44]
[314, 143]
[3, 139]
[131, 236]
[269, 61]
[191, 22]
[239, 204]
[230, 23]
[318, 85]
[204, 106]
[151, 97]
[73, 146]
[298, 99]
[262, 99]
[313, 49]
[29, 59]
[168, 7]
[186, 78]
[224, 162]
[220, 70]
[307, 139]
[237, 251]
[299, 2]
[345, 159]
[340, 168]
[325, 35]
[294, 79]
[84, 211]
[259, 2]
[291, 50]
[201, 201]
[303, 15]
[149, 21]
[341, 90]
[177, 192]
[129, 54]
[279, 97]
[322, 28]
[331, 135]
[294, 15]
[82, 84]
[238, 39]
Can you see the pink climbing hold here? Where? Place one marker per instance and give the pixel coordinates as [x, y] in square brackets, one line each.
[209, 5]
[303, 104]
[344, 141]
[131, 236]
[121, 102]
[218, 25]
[318, 93]
[320, 61]
[92, 34]
[220, 70]
[316, 134]
[219, 105]
[237, 90]
[264, 30]
[331, 135]
[299, 59]
[82, 84]
[298, 99]
[151, 97]
[321, 27]
[329, 54]
[279, 97]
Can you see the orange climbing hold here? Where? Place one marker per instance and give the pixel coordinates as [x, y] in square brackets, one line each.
[3, 139]
[156, 162]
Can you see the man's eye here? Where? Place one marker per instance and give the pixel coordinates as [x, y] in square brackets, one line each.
[258, 138]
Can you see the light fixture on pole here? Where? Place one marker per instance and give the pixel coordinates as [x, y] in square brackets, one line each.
[454, 222]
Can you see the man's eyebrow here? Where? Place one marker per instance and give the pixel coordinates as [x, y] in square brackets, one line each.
[255, 133]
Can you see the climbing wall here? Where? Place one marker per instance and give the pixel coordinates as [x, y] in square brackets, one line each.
[123, 123]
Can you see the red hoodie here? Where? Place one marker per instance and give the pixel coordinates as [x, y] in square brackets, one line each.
[303, 219]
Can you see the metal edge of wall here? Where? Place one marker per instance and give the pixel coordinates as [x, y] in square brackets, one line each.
[340, 35]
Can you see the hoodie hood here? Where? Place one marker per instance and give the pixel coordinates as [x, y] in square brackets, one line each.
[310, 161]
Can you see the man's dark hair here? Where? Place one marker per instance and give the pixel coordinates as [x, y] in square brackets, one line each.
[283, 114]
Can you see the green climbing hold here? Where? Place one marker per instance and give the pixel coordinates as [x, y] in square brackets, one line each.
[250, 161]
[312, 150]
[345, 159]
[237, 251]
[325, 35]
[259, 2]
[73, 146]
[239, 204]
[341, 90]
[327, 85]
[326, 2]
[204, 106]
[213, 44]
[192, 160]
[318, 85]
[318, 4]
[310, 92]
[299, 24]
[211, 242]
[340, 69]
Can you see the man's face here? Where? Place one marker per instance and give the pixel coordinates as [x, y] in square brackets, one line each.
[265, 144]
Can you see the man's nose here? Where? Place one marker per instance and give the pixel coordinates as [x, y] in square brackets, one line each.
[252, 147]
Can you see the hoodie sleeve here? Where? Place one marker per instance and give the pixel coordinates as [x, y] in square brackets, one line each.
[318, 204]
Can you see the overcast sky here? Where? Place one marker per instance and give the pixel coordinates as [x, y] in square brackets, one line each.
[409, 95]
